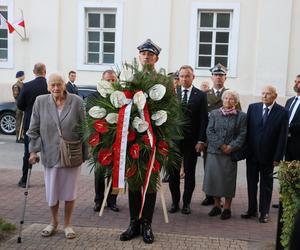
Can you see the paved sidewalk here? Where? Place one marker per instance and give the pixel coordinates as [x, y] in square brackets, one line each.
[194, 231]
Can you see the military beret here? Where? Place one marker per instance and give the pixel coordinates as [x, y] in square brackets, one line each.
[19, 74]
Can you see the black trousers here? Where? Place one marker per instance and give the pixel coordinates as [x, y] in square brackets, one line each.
[25, 158]
[135, 201]
[259, 172]
[100, 188]
[189, 163]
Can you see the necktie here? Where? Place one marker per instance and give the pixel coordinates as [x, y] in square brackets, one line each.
[265, 116]
[184, 99]
[292, 106]
[218, 93]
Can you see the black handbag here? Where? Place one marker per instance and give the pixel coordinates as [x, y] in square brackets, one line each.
[241, 153]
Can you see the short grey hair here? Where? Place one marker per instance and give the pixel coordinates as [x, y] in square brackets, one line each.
[232, 93]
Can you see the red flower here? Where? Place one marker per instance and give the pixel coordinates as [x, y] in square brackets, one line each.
[94, 139]
[131, 171]
[163, 148]
[156, 166]
[101, 126]
[105, 157]
[146, 140]
[131, 135]
[135, 151]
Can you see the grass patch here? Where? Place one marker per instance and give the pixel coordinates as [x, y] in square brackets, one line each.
[6, 229]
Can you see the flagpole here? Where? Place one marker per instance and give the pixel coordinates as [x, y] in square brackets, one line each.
[25, 37]
[11, 25]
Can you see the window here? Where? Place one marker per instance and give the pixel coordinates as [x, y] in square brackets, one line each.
[3, 37]
[99, 35]
[214, 37]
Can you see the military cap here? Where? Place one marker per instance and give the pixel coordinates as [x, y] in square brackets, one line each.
[218, 69]
[174, 75]
[19, 74]
[148, 45]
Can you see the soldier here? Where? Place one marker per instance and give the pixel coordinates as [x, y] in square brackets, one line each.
[16, 89]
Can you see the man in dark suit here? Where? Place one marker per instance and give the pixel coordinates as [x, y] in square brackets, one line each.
[110, 76]
[71, 87]
[267, 132]
[26, 99]
[194, 105]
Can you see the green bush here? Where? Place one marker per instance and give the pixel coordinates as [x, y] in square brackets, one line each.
[6, 226]
[289, 180]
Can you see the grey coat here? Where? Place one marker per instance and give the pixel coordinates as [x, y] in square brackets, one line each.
[230, 130]
[43, 130]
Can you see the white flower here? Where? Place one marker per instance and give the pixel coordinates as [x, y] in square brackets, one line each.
[140, 125]
[97, 112]
[126, 75]
[112, 118]
[139, 99]
[157, 92]
[160, 117]
[104, 88]
[118, 99]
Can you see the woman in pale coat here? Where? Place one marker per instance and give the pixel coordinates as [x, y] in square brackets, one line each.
[226, 132]
[59, 108]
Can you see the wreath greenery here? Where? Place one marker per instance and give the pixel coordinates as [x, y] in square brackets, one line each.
[289, 180]
[101, 132]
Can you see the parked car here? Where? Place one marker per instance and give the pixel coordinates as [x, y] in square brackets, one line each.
[8, 110]
[8, 118]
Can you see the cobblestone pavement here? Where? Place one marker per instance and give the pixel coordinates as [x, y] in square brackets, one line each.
[194, 231]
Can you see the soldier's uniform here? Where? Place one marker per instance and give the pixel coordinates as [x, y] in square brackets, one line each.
[16, 89]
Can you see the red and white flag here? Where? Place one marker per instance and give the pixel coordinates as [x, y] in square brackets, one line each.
[4, 24]
[20, 22]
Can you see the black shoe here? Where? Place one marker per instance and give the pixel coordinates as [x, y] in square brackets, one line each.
[97, 207]
[275, 205]
[133, 230]
[209, 200]
[226, 214]
[147, 233]
[113, 207]
[248, 215]
[186, 209]
[264, 218]
[174, 208]
[215, 211]
[22, 184]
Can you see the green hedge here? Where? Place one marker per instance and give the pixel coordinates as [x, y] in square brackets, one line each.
[289, 180]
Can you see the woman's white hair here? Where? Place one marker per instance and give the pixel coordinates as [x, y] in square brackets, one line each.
[232, 93]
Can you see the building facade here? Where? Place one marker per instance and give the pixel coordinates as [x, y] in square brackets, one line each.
[257, 40]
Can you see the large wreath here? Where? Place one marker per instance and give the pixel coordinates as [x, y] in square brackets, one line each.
[137, 117]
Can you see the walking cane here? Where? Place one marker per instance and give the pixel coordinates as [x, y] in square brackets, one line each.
[25, 202]
[21, 127]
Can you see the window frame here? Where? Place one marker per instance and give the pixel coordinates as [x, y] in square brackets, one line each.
[8, 64]
[233, 40]
[82, 39]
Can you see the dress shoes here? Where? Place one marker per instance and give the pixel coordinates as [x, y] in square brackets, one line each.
[113, 207]
[215, 211]
[147, 233]
[263, 218]
[275, 206]
[209, 200]
[226, 214]
[133, 230]
[186, 209]
[248, 215]
[22, 184]
[174, 208]
[97, 207]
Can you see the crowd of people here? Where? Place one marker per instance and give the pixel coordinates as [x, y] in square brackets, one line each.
[215, 127]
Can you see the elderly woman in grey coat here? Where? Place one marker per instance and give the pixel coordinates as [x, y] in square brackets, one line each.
[226, 132]
[64, 110]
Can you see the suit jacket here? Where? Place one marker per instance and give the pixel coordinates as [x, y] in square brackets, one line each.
[266, 144]
[196, 116]
[27, 96]
[230, 130]
[43, 130]
[293, 146]
[72, 88]
[215, 102]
